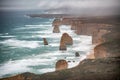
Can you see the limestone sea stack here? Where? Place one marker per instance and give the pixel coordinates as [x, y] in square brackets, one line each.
[56, 29]
[56, 22]
[65, 40]
[61, 64]
[45, 41]
[63, 46]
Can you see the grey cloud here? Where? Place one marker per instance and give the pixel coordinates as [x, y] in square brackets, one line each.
[64, 6]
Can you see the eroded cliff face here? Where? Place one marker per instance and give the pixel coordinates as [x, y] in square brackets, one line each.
[56, 22]
[110, 44]
[97, 37]
[65, 40]
[96, 30]
[56, 29]
[108, 49]
[88, 69]
[105, 58]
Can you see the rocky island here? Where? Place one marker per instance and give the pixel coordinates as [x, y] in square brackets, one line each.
[105, 65]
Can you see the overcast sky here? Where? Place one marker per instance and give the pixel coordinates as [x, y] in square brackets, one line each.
[62, 6]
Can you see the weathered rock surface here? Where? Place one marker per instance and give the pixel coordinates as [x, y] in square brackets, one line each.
[45, 41]
[61, 64]
[90, 56]
[108, 49]
[65, 40]
[97, 37]
[56, 29]
[56, 22]
[111, 45]
[89, 69]
[62, 46]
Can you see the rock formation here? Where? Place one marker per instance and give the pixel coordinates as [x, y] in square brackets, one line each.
[105, 66]
[97, 37]
[65, 40]
[56, 29]
[62, 46]
[45, 41]
[66, 21]
[107, 49]
[90, 55]
[77, 54]
[110, 47]
[88, 69]
[56, 22]
[61, 64]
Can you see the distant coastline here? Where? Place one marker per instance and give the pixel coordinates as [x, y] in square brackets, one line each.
[105, 64]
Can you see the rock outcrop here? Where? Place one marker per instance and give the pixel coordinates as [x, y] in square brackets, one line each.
[88, 69]
[111, 44]
[61, 64]
[56, 22]
[77, 54]
[65, 40]
[45, 41]
[97, 37]
[56, 29]
[105, 66]
[108, 49]
[62, 46]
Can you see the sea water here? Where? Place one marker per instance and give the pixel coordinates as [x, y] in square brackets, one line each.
[22, 48]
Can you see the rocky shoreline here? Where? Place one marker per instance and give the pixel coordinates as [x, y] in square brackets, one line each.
[106, 54]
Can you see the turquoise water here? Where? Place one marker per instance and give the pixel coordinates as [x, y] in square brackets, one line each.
[22, 49]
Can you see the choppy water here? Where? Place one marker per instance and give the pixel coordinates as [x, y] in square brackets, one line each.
[22, 49]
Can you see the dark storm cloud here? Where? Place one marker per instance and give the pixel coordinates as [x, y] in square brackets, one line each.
[63, 6]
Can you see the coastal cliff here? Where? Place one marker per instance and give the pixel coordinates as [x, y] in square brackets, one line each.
[88, 69]
[108, 49]
[105, 66]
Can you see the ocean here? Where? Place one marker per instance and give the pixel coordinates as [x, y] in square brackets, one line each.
[22, 48]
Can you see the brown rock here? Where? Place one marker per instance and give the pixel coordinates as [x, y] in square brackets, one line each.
[107, 49]
[62, 46]
[61, 64]
[45, 41]
[65, 40]
[98, 36]
[90, 56]
[56, 22]
[56, 29]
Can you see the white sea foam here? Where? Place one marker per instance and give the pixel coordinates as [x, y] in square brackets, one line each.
[18, 66]
[33, 27]
[21, 43]
[65, 29]
[81, 43]
[46, 70]
[41, 25]
[73, 64]
[8, 36]
[54, 44]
